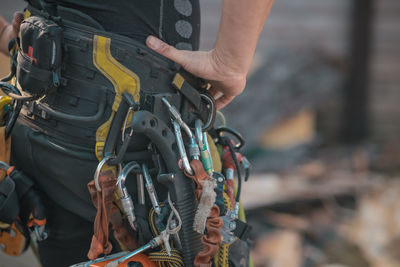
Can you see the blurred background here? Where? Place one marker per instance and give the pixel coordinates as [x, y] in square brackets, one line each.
[321, 117]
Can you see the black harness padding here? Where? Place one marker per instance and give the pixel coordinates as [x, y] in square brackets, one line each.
[84, 92]
[142, 216]
[9, 204]
[29, 198]
[242, 230]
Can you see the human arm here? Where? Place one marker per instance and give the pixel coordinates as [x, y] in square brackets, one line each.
[225, 66]
[9, 31]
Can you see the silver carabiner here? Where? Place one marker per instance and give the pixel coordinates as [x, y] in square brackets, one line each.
[181, 148]
[98, 170]
[130, 110]
[126, 200]
[199, 133]
[212, 112]
[151, 190]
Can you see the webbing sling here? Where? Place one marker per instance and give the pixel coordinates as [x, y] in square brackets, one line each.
[122, 79]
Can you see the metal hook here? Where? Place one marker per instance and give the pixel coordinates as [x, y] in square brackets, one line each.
[181, 148]
[123, 175]
[130, 110]
[98, 170]
[150, 189]
[212, 113]
[199, 133]
[126, 200]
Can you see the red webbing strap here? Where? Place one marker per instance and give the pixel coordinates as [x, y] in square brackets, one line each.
[214, 223]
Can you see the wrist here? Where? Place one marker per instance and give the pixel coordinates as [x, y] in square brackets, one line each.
[227, 66]
[3, 26]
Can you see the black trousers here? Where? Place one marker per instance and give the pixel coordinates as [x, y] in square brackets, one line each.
[69, 238]
[69, 211]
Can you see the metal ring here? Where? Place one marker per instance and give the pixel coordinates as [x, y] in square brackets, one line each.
[233, 132]
[212, 113]
[98, 170]
[125, 122]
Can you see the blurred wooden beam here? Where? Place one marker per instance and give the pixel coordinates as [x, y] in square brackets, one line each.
[355, 117]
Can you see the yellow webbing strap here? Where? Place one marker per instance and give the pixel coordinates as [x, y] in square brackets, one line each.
[27, 14]
[5, 145]
[161, 257]
[178, 81]
[122, 79]
[215, 155]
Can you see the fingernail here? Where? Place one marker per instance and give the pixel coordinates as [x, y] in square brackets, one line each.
[153, 42]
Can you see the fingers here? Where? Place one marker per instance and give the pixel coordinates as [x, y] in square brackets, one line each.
[179, 56]
[18, 18]
[199, 64]
[223, 101]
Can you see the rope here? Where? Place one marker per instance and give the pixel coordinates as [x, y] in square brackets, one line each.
[161, 257]
[221, 259]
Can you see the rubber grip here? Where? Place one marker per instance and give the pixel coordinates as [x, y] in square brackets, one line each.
[182, 188]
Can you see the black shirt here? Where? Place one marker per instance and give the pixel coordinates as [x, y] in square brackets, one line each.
[175, 21]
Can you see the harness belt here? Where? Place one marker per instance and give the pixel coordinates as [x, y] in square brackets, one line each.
[97, 68]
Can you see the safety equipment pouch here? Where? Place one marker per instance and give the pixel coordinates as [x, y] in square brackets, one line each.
[39, 56]
[9, 204]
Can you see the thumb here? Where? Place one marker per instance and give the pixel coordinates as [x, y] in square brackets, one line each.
[179, 56]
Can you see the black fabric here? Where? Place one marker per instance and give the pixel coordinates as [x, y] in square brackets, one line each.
[61, 168]
[239, 254]
[69, 238]
[9, 204]
[23, 183]
[176, 22]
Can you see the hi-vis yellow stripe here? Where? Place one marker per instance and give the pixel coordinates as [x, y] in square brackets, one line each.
[122, 79]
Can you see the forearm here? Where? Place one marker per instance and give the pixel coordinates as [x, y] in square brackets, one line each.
[241, 24]
[3, 31]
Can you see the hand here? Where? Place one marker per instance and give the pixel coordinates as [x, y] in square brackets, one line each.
[226, 82]
[10, 31]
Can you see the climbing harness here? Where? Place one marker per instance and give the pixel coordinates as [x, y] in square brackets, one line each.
[159, 181]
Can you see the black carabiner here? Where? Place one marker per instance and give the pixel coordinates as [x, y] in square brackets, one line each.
[13, 118]
[236, 134]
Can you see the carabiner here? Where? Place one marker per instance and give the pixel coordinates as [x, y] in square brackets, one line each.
[98, 170]
[151, 190]
[126, 199]
[181, 148]
[233, 132]
[211, 116]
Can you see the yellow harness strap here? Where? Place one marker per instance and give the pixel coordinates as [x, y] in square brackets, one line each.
[122, 79]
[5, 145]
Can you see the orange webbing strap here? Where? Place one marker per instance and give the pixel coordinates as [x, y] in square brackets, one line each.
[107, 212]
[5, 150]
[103, 201]
[214, 223]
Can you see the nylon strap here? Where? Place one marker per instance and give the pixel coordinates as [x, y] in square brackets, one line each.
[214, 223]
[122, 79]
[5, 150]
